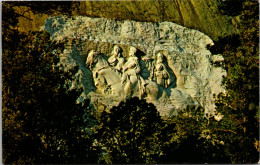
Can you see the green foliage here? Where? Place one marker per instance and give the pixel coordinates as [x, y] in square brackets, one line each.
[239, 128]
[230, 7]
[132, 132]
[40, 7]
[41, 121]
[193, 140]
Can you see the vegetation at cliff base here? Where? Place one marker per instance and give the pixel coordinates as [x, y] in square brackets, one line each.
[132, 132]
[240, 105]
[41, 121]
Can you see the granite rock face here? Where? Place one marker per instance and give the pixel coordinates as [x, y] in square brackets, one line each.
[203, 15]
[164, 63]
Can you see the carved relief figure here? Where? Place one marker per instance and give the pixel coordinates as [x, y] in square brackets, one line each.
[148, 71]
[132, 80]
[96, 62]
[115, 60]
[161, 73]
[106, 80]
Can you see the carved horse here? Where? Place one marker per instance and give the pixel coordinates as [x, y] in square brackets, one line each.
[105, 78]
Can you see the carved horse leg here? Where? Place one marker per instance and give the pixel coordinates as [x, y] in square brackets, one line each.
[152, 90]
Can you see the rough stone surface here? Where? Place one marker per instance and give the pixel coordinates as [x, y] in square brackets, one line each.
[203, 15]
[164, 63]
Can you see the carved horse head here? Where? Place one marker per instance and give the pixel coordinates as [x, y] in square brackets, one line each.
[96, 61]
[91, 59]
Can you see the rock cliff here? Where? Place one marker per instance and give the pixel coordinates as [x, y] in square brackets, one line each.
[202, 15]
[164, 63]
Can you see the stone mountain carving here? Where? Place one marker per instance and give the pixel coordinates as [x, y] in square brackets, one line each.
[132, 79]
[162, 74]
[121, 79]
[106, 79]
[116, 60]
[164, 63]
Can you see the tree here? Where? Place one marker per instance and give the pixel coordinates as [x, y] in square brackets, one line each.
[41, 121]
[239, 128]
[40, 7]
[132, 132]
[192, 140]
[230, 7]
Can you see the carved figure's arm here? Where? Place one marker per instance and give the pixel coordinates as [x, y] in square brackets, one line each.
[165, 74]
[137, 68]
[125, 67]
[120, 63]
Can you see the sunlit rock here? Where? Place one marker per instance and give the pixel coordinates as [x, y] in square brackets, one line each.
[164, 63]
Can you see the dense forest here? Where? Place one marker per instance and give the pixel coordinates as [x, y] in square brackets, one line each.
[42, 123]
